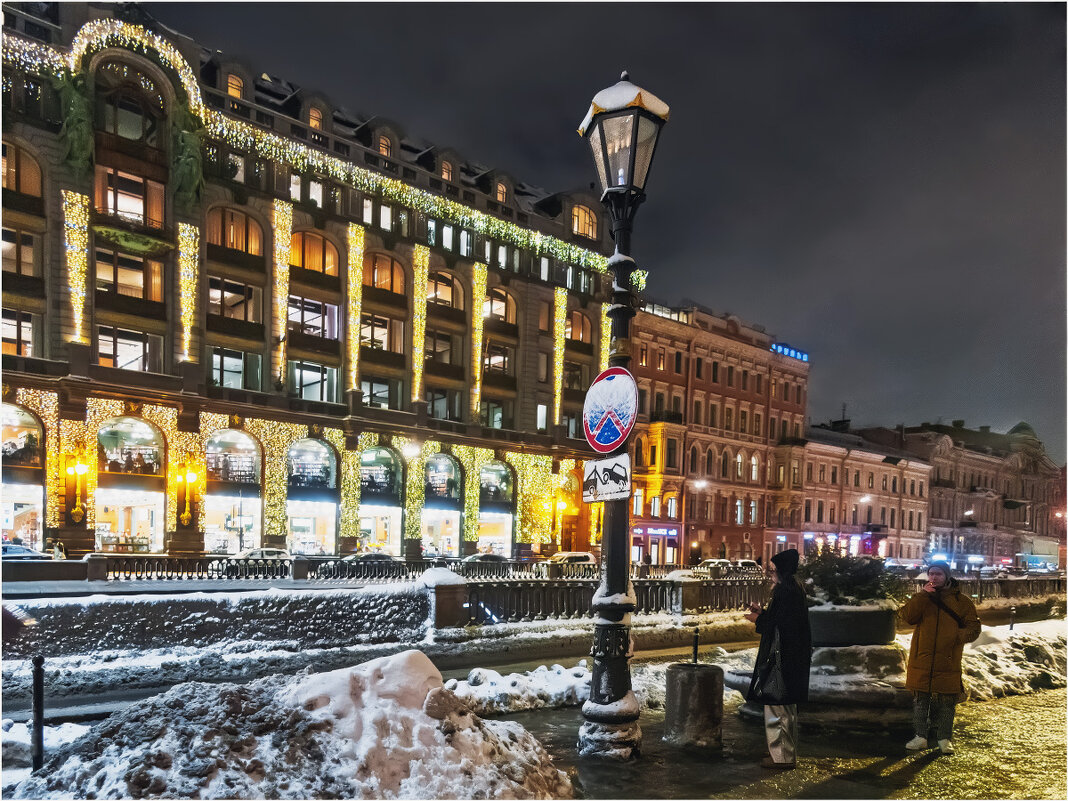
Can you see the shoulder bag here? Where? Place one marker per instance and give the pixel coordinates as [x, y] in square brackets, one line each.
[770, 684]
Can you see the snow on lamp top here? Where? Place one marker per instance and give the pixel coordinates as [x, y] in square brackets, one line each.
[624, 95]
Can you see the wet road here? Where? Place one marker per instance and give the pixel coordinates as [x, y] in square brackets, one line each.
[1008, 748]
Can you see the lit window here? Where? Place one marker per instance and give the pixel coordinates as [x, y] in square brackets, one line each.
[444, 290]
[502, 193]
[227, 298]
[446, 171]
[315, 119]
[383, 272]
[21, 171]
[312, 381]
[671, 507]
[312, 317]
[310, 251]
[235, 369]
[128, 275]
[235, 87]
[129, 350]
[583, 222]
[499, 305]
[636, 508]
[235, 230]
[385, 147]
[129, 196]
[18, 334]
[20, 252]
[577, 327]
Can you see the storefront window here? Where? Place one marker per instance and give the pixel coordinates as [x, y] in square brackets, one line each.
[496, 509]
[443, 479]
[379, 474]
[312, 527]
[232, 456]
[380, 499]
[129, 520]
[496, 484]
[312, 464]
[22, 502]
[233, 510]
[129, 445]
[442, 507]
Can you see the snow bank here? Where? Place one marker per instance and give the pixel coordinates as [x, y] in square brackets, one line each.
[440, 576]
[488, 692]
[16, 741]
[384, 729]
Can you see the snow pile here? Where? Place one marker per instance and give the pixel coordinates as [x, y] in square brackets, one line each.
[1002, 662]
[440, 577]
[488, 692]
[384, 729]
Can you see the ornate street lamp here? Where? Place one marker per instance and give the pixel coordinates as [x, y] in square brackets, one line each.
[622, 126]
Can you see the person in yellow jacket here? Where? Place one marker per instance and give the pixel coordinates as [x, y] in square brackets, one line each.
[945, 619]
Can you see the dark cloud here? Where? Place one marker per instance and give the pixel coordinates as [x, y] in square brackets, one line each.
[880, 185]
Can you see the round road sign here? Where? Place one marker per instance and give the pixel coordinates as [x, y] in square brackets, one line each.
[610, 410]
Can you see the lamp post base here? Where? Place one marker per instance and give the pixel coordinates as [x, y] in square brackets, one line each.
[620, 741]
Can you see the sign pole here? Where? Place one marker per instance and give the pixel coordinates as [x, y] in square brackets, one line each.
[611, 715]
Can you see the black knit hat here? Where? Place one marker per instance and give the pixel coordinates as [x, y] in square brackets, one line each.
[786, 562]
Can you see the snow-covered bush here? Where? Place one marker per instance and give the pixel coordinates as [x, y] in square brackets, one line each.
[834, 578]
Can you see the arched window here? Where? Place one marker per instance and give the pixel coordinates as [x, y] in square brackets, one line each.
[584, 222]
[380, 473]
[499, 305]
[315, 119]
[312, 463]
[710, 462]
[446, 171]
[496, 484]
[725, 465]
[502, 193]
[385, 146]
[739, 469]
[232, 455]
[383, 272]
[754, 469]
[311, 251]
[444, 478]
[130, 104]
[639, 456]
[235, 87]
[577, 327]
[22, 173]
[444, 290]
[22, 437]
[693, 459]
[235, 230]
[130, 445]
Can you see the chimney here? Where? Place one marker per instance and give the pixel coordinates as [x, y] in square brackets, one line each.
[841, 426]
[984, 429]
[958, 424]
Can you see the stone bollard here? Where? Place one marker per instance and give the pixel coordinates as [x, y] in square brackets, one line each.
[450, 605]
[96, 567]
[554, 570]
[300, 567]
[693, 705]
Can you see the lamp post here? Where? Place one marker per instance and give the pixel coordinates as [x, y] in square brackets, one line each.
[78, 469]
[622, 127]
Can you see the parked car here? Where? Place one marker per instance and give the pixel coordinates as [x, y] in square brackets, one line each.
[262, 553]
[12, 551]
[746, 566]
[368, 556]
[992, 572]
[486, 557]
[572, 558]
[721, 566]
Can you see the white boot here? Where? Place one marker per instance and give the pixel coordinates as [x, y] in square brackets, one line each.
[917, 743]
[946, 746]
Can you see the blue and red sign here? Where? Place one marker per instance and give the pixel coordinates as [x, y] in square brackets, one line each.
[610, 410]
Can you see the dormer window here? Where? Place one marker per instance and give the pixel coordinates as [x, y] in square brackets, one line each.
[584, 222]
[446, 171]
[385, 147]
[235, 87]
[502, 193]
[315, 119]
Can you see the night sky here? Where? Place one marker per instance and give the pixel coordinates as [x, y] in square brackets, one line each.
[882, 186]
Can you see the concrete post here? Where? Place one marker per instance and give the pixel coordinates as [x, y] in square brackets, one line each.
[449, 605]
[300, 568]
[686, 597]
[96, 567]
[693, 705]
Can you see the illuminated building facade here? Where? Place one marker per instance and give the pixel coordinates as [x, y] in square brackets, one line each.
[236, 315]
[715, 398]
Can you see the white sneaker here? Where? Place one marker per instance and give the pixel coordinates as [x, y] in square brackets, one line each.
[917, 743]
[946, 746]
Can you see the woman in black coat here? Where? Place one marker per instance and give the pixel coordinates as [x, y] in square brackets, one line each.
[785, 620]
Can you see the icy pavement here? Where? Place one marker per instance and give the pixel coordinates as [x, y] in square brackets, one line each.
[384, 729]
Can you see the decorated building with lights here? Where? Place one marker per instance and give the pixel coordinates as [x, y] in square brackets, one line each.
[716, 397]
[236, 315]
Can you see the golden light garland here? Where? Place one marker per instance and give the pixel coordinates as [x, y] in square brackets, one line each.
[22, 54]
[71, 445]
[560, 485]
[46, 406]
[282, 222]
[76, 241]
[348, 466]
[180, 447]
[606, 337]
[188, 278]
[97, 410]
[479, 274]
[473, 459]
[366, 440]
[355, 279]
[534, 483]
[415, 485]
[210, 424]
[420, 267]
[559, 326]
[276, 438]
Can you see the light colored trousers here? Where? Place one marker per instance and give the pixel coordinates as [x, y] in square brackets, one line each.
[780, 727]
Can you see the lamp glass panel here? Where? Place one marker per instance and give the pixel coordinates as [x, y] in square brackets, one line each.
[643, 156]
[618, 138]
[598, 154]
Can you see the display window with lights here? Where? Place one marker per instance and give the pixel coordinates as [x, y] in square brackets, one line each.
[233, 506]
[442, 506]
[381, 512]
[496, 505]
[130, 495]
[22, 500]
[312, 499]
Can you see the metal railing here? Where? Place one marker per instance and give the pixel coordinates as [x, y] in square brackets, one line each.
[128, 567]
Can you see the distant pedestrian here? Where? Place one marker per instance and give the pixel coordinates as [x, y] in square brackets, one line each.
[945, 619]
[780, 676]
[59, 550]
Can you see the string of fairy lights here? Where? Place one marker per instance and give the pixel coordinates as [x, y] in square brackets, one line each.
[76, 248]
[356, 239]
[559, 329]
[188, 281]
[479, 275]
[282, 222]
[420, 269]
